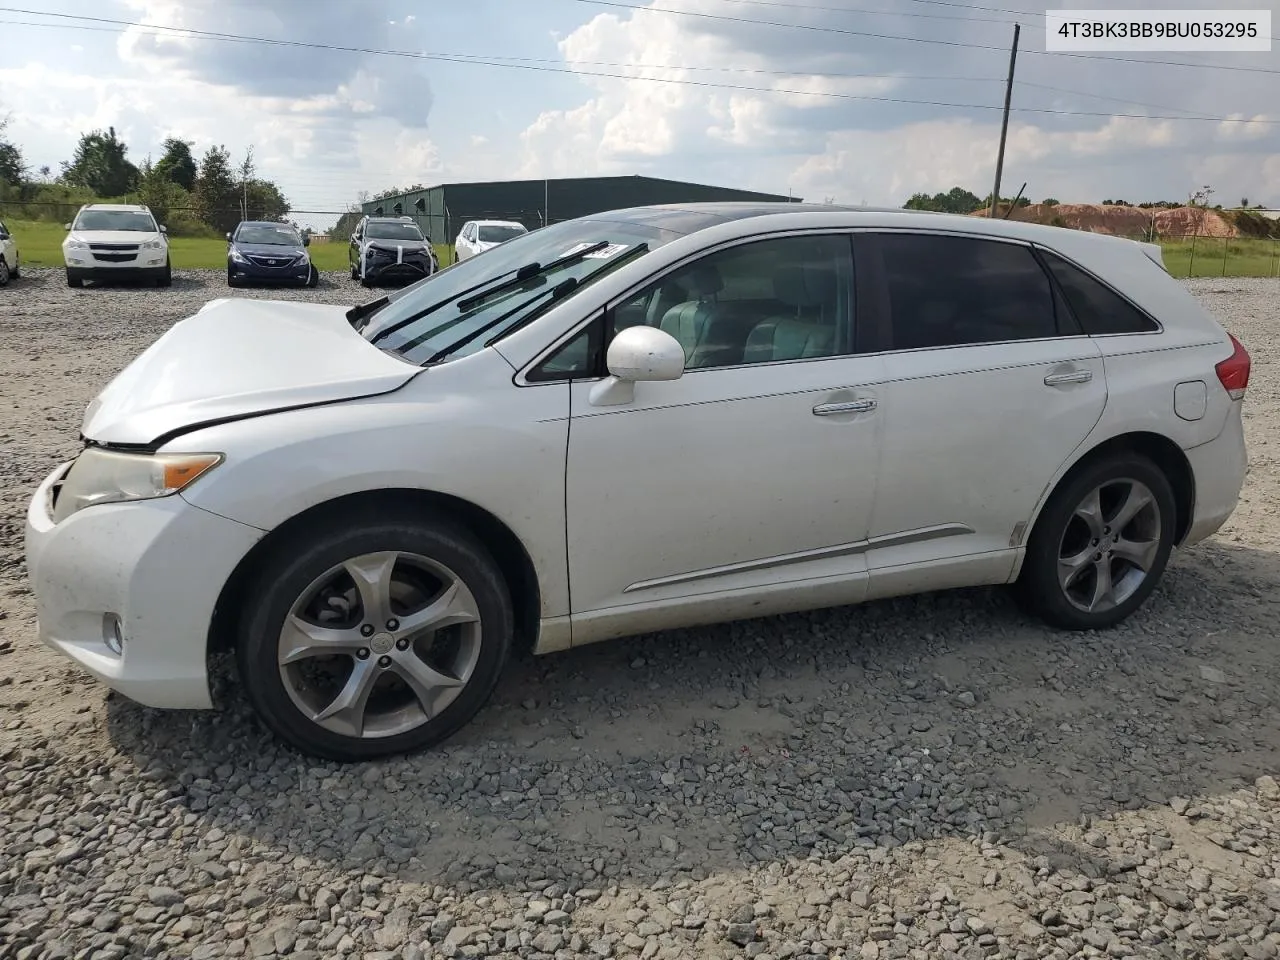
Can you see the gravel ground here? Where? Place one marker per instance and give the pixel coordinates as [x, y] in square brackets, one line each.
[930, 777]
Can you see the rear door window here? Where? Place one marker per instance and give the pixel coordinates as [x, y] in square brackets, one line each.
[948, 291]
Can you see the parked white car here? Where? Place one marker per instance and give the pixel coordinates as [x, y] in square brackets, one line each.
[116, 241]
[9, 266]
[630, 422]
[477, 236]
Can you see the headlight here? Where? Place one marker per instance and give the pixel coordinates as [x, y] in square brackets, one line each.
[75, 245]
[303, 257]
[237, 256]
[153, 245]
[107, 476]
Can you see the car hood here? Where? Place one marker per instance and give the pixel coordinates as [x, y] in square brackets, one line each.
[238, 358]
[279, 250]
[114, 236]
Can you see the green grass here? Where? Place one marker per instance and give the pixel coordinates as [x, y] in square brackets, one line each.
[1215, 257]
[40, 245]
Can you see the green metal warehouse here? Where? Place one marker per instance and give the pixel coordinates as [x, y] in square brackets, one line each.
[441, 211]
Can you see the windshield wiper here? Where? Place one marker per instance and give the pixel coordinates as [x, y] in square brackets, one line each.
[362, 310]
[481, 291]
[555, 293]
[558, 293]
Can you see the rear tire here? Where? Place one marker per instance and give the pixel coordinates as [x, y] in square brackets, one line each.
[400, 687]
[1100, 545]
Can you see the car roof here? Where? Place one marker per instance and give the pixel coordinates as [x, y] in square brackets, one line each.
[264, 223]
[497, 223]
[687, 218]
[136, 207]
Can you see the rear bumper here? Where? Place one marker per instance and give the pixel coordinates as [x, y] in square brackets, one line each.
[1218, 468]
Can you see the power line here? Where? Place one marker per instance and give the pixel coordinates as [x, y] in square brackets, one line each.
[475, 59]
[483, 59]
[870, 11]
[892, 36]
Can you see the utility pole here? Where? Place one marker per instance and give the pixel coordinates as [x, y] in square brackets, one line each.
[1004, 124]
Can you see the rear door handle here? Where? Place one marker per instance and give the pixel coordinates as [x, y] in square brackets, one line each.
[1079, 376]
[848, 406]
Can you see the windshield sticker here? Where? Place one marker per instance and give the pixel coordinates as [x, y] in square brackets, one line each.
[604, 253]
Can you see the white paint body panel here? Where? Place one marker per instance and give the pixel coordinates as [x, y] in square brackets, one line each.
[9, 252]
[714, 496]
[237, 357]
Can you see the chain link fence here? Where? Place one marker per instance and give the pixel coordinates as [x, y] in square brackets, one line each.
[1198, 256]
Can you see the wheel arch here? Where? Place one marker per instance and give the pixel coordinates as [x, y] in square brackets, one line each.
[1162, 451]
[508, 552]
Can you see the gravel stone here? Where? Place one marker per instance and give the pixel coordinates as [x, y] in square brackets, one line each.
[927, 777]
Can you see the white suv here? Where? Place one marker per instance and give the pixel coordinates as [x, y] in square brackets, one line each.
[630, 422]
[477, 236]
[116, 241]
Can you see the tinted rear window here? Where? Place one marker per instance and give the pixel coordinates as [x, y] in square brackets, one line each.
[947, 291]
[1099, 309]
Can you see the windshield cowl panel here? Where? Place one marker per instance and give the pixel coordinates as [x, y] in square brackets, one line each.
[469, 305]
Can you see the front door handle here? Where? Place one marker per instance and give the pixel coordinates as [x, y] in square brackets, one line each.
[848, 406]
[1079, 376]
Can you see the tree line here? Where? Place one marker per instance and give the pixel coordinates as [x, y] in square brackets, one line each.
[960, 200]
[208, 196]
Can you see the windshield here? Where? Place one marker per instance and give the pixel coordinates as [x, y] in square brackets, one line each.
[449, 320]
[393, 231]
[494, 233]
[276, 234]
[134, 220]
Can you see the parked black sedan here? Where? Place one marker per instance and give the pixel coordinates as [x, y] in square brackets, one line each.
[390, 249]
[262, 251]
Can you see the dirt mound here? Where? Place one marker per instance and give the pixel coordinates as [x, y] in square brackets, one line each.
[1126, 221]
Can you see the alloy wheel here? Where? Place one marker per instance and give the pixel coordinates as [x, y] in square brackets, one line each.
[379, 644]
[1109, 546]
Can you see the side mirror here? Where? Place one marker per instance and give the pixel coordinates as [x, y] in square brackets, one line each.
[306, 241]
[645, 353]
[66, 226]
[228, 236]
[638, 354]
[163, 228]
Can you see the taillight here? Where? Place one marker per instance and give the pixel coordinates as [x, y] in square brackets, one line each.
[1234, 371]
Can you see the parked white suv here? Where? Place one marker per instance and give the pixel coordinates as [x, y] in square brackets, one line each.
[8, 256]
[477, 236]
[625, 423]
[116, 241]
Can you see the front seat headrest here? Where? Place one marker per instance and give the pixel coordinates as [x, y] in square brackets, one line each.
[702, 281]
[804, 285]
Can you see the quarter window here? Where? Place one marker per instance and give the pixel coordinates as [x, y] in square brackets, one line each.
[947, 291]
[1098, 309]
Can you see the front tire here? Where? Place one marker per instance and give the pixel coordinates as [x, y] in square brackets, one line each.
[74, 280]
[5, 273]
[383, 636]
[1101, 544]
[313, 278]
[166, 278]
